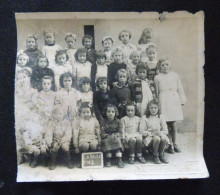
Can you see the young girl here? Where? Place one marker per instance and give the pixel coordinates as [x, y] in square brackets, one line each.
[46, 98]
[100, 68]
[58, 136]
[118, 63]
[126, 47]
[101, 98]
[121, 92]
[40, 71]
[144, 41]
[135, 60]
[153, 127]
[86, 135]
[85, 89]
[82, 67]
[50, 48]
[170, 92]
[87, 41]
[141, 89]
[67, 96]
[111, 136]
[22, 61]
[131, 134]
[70, 39]
[107, 43]
[32, 50]
[62, 66]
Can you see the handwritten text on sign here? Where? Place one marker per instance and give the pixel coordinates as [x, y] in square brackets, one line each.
[92, 160]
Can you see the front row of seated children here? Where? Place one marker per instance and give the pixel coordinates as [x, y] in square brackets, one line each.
[112, 137]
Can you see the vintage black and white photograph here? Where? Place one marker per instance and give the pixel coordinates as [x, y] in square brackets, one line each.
[109, 96]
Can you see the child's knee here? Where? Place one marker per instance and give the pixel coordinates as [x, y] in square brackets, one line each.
[36, 152]
[84, 147]
[65, 147]
[118, 153]
[56, 147]
[164, 139]
[108, 154]
[156, 139]
[139, 140]
[93, 146]
[132, 140]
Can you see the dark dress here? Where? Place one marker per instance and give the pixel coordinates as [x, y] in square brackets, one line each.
[109, 143]
[33, 55]
[91, 56]
[120, 96]
[100, 100]
[151, 75]
[112, 71]
[37, 74]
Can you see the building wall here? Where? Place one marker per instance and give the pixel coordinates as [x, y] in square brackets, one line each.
[176, 39]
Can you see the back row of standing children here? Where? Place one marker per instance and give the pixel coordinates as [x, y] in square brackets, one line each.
[122, 80]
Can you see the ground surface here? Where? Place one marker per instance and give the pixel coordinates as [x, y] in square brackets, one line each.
[186, 164]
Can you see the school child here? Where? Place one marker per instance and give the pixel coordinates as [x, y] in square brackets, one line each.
[135, 60]
[101, 98]
[22, 61]
[111, 136]
[50, 48]
[170, 92]
[144, 41]
[153, 70]
[107, 43]
[88, 42]
[58, 136]
[130, 127]
[141, 92]
[34, 137]
[82, 67]
[70, 40]
[153, 127]
[46, 98]
[100, 68]
[62, 65]
[32, 50]
[126, 47]
[118, 63]
[120, 95]
[86, 130]
[40, 71]
[85, 89]
[67, 96]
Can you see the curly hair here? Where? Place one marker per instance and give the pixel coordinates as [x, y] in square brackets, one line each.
[67, 75]
[42, 56]
[156, 102]
[100, 54]
[130, 103]
[49, 31]
[124, 31]
[141, 66]
[110, 106]
[22, 54]
[70, 35]
[107, 38]
[61, 52]
[135, 52]
[80, 50]
[122, 70]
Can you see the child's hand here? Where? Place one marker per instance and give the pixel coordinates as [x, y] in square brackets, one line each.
[77, 150]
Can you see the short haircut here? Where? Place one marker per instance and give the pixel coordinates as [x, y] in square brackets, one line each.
[124, 31]
[160, 61]
[130, 103]
[42, 56]
[84, 80]
[117, 50]
[100, 54]
[141, 66]
[70, 35]
[110, 106]
[56, 108]
[153, 101]
[151, 46]
[86, 105]
[122, 70]
[80, 50]
[101, 79]
[87, 37]
[47, 77]
[67, 75]
[61, 52]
